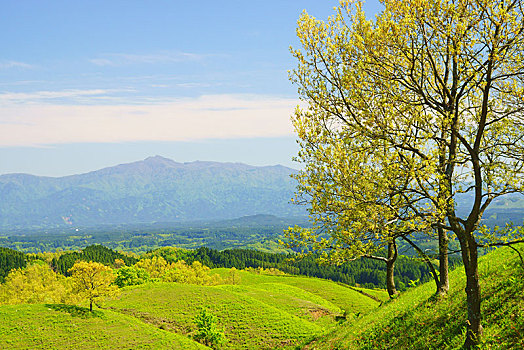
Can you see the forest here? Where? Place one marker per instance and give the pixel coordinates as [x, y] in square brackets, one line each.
[366, 273]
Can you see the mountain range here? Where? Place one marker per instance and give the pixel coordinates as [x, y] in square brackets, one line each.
[156, 189]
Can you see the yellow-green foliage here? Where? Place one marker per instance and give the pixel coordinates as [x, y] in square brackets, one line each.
[402, 115]
[58, 326]
[45, 256]
[196, 273]
[93, 281]
[35, 284]
[155, 266]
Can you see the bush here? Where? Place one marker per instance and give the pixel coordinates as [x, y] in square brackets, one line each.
[131, 276]
[207, 331]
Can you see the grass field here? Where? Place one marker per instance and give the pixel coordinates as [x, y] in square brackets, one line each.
[68, 327]
[347, 299]
[262, 312]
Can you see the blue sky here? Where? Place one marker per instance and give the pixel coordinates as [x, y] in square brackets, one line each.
[89, 84]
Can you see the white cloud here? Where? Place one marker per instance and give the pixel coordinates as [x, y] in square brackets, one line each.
[39, 96]
[15, 64]
[205, 117]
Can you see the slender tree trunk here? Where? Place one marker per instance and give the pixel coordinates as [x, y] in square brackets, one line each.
[428, 262]
[443, 241]
[91, 305]
[390, 268]
[470, 259]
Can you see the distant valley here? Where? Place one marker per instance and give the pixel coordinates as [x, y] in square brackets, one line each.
[153, 190]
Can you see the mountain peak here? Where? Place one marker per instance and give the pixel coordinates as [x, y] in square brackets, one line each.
[159, 160]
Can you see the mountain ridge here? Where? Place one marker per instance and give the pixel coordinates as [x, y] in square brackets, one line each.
[152, 160]
[151, 190]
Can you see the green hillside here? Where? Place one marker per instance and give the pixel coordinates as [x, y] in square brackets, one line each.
[347, 299]
[265, 309]
[261, 312]
[415, 321]
[67, 327]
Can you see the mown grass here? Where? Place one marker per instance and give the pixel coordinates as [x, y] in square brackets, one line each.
[339, 295]
[417, 320]
[248, 322]
[57, 326]
[292, 300]
[262, 312]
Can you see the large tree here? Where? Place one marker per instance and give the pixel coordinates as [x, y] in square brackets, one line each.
[434, 86]
[93, 281]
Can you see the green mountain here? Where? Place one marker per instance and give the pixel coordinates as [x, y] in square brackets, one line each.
[156, 189]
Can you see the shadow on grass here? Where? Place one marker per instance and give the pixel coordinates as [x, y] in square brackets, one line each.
[75, 311]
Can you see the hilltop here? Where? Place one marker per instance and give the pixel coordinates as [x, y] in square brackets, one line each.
[54, 326]
[153, 190]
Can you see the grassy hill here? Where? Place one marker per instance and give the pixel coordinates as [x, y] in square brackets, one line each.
[261, 312]
[67, 327]
[417, 321]
[267, 311]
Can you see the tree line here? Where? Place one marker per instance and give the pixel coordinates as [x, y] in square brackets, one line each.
[362, 272]
[95, 253]
[10, 259]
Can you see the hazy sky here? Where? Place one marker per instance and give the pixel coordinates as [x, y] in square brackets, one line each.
[89, 84]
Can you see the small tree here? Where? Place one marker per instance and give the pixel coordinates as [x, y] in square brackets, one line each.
[233, 276]
[93, 281]
[155, 266]
[208, 333]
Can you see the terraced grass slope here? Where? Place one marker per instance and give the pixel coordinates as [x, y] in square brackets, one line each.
[262, 312]
[69, 327]
[347, 298]
[415, 320]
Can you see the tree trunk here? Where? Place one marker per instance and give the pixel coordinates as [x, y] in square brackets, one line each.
[426, 259]
[470, 259]
[443, 240]
[91, 305]
[390, 267]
